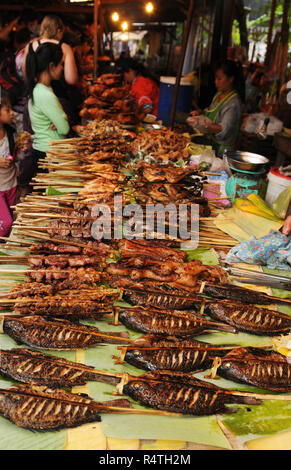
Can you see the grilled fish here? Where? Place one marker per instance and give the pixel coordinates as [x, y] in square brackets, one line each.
[182, 393]
[168, 322]
[183, 355]
[249, 318]
[239, 294]
[43, 409]
[43, 333]
[168, 300]
[25, 365]
[265, 369]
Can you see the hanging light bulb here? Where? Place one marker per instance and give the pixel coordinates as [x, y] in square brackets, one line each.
[124, 26]
[149, 8]
[115, 16]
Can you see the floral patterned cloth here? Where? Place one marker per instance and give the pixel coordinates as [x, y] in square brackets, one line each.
[272, 250]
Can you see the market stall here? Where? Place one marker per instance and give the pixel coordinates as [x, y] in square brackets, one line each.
[145, 286]
[116, 318]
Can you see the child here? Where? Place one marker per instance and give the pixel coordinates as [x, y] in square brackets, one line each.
[8, 176]
[48, 119]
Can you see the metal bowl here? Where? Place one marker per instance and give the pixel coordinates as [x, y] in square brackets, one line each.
[246, 161]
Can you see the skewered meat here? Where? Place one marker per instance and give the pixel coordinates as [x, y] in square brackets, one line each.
[40, 408]
[240, 294]
[55, 273]
[177, 273]
[182, 393]
[265, 369]
[168, 322]
[60, 307]
[39, 332]
[30, 366]
[92, 249]
[249, 318]
[64, 260]
[152, 250]
[154, 173]
[177, 355]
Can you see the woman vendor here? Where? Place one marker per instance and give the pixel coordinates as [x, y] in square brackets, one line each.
[144, 89]
[224, 112]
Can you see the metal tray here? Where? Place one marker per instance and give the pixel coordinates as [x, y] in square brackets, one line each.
[246, 161]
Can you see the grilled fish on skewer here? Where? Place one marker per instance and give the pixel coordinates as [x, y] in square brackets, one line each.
[179, 355]
[181, 393]
[240, 294]
[40, 408]
[167, 322]
[249, 318]
[30, 366]
[265, 369]
[39, 332]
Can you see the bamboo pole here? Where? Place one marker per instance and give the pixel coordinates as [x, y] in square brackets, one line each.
[181, 63]
[270, 32]
[95, 38]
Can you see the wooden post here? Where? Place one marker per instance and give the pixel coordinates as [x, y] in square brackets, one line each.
[95, 39]
[285, 40]
[270, 32]
[181, 63]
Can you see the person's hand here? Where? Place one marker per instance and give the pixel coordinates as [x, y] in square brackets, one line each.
[5, 162]
[287, 226]
[53, 127]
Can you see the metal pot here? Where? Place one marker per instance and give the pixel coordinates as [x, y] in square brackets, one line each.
[246, 161]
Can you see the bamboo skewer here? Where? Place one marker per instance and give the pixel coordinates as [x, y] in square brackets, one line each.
[93, 405]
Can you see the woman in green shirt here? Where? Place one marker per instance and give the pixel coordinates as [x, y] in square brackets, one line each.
[224, 112]
[48, 119]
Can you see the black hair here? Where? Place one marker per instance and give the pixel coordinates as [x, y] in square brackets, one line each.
[22, 36]
[38, 61]
[234, 69]
[140, 69]
[4, 99]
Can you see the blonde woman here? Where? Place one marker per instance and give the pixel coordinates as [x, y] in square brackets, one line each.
[52, 30]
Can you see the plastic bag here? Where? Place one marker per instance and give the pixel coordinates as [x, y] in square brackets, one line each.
[281, 204]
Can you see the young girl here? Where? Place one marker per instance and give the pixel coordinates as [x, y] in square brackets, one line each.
[48, 119]
[8, 176]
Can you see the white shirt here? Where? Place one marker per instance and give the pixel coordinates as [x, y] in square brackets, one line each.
[8, 178]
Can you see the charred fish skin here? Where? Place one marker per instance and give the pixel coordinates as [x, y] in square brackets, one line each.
[160, 323]
[44, 413]
[52, 334]
[249, 318]
[158, 300]
[271, 371]
[179, 397]
[178, 359]
[29, 366]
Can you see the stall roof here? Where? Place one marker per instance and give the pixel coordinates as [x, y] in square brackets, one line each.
[132, 10]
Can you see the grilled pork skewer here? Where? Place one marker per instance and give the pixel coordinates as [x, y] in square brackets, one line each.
[168, 322]
[43, 409]
[265, 369]
[54, 334]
